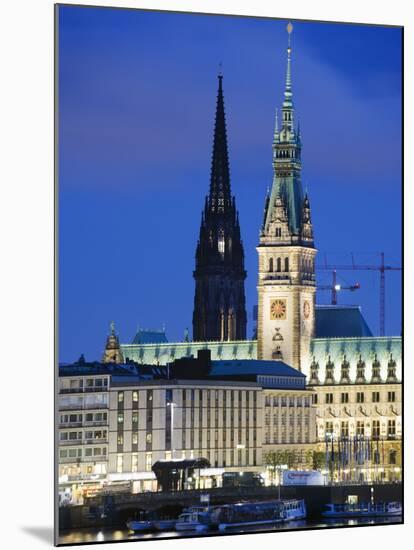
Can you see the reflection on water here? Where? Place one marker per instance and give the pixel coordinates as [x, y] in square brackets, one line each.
[101, 535]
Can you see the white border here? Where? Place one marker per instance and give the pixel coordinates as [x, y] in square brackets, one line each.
[26, 227]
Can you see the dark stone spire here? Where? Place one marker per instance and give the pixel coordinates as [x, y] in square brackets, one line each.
[219, 199]
[219, 303]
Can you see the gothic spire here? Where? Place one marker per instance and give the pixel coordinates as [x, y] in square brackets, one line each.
[220, 193]
[219, 300]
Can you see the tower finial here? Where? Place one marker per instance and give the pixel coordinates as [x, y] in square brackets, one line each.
[113, 327]
[288, 87]
[220, 71]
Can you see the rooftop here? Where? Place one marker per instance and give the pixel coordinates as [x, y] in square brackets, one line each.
[253, 367]
[340, 322]
[145, 336]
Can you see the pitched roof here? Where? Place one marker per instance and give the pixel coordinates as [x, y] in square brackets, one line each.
[253, 367]
[150, 337]
[340, 322]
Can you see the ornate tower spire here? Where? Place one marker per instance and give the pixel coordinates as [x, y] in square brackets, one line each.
[112, 352]
[286, 251]
[219, 302]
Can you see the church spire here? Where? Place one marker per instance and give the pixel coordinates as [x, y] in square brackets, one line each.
[220, 193]
[219, 301]
[112, 352]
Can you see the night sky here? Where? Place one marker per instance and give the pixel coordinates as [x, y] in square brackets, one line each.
[137, 94]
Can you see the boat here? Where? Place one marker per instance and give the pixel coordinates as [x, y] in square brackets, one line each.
[194, 520]
[363, 509]
[246, 514]
[293, 509]
[139, 525]
[164, 524]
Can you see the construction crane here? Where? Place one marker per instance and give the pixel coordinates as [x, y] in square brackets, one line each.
[335, 287]
[382, 268]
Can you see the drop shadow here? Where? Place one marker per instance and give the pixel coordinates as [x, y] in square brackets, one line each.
[45, 534]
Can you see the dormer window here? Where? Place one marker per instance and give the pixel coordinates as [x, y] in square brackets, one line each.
[278, 231]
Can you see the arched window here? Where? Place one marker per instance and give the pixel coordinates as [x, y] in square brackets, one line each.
[286, 264]
[278, 264]
[270, 264]
[278, 231]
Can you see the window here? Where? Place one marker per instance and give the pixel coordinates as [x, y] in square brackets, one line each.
[120, 440]
[221, 243]
[344, 429]
[329, 398]
[135, 418]
[315, 399]
[135, 397]
[120, 418]
[278, 231]
[391, 429]
[120, 397]
[344, 397]
[148, 462]
[286, 264]
[391, 397]
[375, 429]
[149, 438]
[135, 438]
[278, 264]
[134, 466]
[360, 396]
[392, 457]
[119, 463]
[329, 428]
[360, 428]
[375, 396]
[271, 263]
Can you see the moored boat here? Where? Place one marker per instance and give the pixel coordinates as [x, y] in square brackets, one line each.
[363, 509]
[246, 514]
[139, 525]
[164, 524]
[194, 520]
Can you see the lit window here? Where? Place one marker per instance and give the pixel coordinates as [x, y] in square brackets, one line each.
[119, 463]
[221, 243]
[148, 462]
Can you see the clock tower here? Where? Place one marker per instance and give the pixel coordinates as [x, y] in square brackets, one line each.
[286, 286]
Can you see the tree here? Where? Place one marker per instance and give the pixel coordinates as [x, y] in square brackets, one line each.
[275, 459]
[318, 460]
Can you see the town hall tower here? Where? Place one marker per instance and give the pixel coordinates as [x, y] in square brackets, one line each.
[286, 285]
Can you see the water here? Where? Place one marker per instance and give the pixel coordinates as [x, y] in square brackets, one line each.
[106, 535]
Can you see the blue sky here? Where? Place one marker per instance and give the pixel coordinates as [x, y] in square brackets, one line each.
[137, 94]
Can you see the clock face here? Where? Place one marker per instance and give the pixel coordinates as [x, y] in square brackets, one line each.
[278, 309]
[306, 309]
